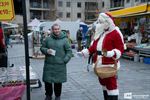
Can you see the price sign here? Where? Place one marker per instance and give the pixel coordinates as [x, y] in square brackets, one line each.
[6, 10]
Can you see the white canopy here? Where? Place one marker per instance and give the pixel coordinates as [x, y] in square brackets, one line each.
[72, 26]
[9, 25]
[34, 23]
[57, 21]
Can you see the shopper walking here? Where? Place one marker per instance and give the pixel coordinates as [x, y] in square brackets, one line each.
[57, 52]
[79, 38]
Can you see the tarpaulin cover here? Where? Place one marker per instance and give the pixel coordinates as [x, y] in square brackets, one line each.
[12, 92]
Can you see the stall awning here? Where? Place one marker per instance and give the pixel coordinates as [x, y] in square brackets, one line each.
[131, 11]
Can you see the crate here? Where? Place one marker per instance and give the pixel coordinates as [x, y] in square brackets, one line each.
[146, 60]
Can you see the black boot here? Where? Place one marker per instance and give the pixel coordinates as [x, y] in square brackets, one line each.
[113, 97]
[105, 95]
[57, 98]
[48, 97]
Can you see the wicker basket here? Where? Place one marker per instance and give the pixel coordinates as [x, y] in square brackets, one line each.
[105, 71]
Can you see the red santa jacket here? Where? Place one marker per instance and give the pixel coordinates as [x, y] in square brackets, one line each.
[109, 41]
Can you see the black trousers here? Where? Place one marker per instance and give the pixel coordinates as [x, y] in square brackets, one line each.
[90, 59]
[49, 89]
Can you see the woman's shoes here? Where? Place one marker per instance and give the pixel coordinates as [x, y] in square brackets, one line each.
[48, 97]
[57, 98]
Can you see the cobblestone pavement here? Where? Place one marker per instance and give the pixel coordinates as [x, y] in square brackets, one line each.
[83, 85]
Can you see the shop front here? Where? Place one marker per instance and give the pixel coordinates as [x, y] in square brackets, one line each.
[134, 23]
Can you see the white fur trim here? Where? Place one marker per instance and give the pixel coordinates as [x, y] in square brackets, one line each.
[93, 65]
[99, 44]
[92, 42]
[99, 63]
[113, 92]
[118, 65]
[118, 53]
[110, 53]
[99, 58]
[85, 52]
[125, 46]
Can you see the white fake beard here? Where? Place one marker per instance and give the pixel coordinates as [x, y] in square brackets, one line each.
[99, 30]
[106, 26]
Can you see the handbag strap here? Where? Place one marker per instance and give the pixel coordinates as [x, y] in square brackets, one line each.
[115, 63]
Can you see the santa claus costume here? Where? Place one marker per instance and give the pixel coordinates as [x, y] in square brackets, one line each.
[107, 37]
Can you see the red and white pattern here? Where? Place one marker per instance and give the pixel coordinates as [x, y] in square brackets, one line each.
[112, 41]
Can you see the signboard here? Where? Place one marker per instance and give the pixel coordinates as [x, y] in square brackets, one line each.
[6, 10]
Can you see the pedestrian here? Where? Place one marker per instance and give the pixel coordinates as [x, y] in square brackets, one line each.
[89, 42]
[2, 43]
[3, 50]
[108, 44]
[79, 38]
[68, 36]
[57, 52]
[89, 35]
[44, 34]
[7, 36]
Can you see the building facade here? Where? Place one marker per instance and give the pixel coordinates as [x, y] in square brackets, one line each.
[72, 10]
[111, 5]
[40, 9]
[65, 10]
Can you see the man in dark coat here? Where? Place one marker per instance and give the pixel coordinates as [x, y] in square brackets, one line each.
[57, 52]
[79, 38]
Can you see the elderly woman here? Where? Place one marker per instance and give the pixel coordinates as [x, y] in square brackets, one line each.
[57, 52]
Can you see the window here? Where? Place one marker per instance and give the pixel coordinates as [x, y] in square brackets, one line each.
[60, 14]
[60, 3]
[136, 0]
[79, 4]
[18, 9]
[128, 1]
[46, 15]
[68, 14]
[67, 4]
[78, 15]
[144, 1]
[103, 4]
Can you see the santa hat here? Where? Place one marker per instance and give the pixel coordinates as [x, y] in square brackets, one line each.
[106, 17]
[104, 22]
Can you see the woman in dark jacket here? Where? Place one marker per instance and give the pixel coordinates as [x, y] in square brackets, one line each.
[57, 52]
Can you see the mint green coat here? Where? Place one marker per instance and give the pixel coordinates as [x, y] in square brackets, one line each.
[54, 70]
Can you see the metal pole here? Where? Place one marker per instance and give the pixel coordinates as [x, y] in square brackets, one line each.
[26, 49]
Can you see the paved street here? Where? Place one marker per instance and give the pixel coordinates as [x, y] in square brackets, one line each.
[82, 85]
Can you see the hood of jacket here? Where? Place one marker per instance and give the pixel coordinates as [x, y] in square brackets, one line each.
[60, 36]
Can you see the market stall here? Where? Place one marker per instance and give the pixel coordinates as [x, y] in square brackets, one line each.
[12, 85]
[134, 23]
[13, 82]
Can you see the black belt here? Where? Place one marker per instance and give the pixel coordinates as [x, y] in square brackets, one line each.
[99, 53]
